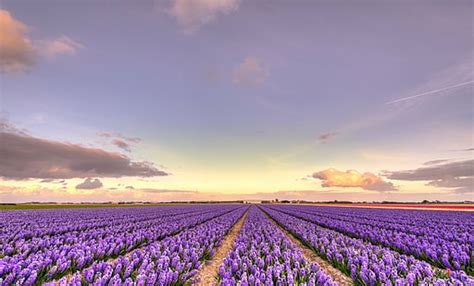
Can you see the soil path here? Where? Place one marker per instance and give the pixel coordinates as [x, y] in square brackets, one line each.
[336, 274]
[207, 272]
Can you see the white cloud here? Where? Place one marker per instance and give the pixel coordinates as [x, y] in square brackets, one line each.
[192, 14]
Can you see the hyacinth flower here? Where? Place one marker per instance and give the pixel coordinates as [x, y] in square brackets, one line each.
[143, 246]
[440, 248]
[171, 261]
[55, 256]
[453, 226]
[263, 255]
[367, 264]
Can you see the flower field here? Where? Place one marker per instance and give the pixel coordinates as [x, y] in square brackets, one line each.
[168, 245]
[263, 255]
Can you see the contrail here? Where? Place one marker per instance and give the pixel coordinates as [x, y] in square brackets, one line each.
[430, 92]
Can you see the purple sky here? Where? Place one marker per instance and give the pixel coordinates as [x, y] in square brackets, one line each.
[223, 99]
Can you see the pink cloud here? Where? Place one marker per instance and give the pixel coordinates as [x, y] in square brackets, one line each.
[17, 53]
[250, 73]
[119, 140]
[121, 144]
[61, 46]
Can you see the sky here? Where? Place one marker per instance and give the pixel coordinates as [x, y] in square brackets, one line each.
[236, 99]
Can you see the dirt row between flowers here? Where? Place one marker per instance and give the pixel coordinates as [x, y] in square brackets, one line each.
[208, 270]
[311, 256]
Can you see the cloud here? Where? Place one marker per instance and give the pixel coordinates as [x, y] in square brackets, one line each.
[19, 194]
[250, 73]
[460, 185]
[41, 194]
[130, 139]
[26, 157]
[323, 138]
[435, 162]
[164, 191]
[60, 46]
[457, 175]
[7, 126]
[23, 194]
[89, 184]
[192, 14]
[466, 150]
[53, 181]
[453, 169]
[121, 144]
[351, 178]
[8, 190]
[17, 53]
[119, 140]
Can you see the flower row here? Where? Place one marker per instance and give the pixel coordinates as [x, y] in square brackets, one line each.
[51, 257]
[366, 263]
[263, 255]
[171, 261]
[434, 249]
